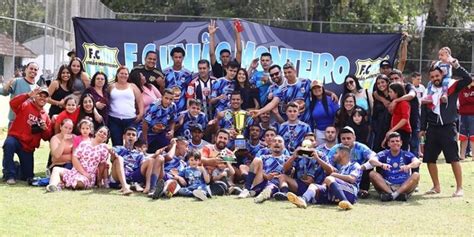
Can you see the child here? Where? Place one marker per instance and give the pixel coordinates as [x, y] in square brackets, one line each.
[360, 125]
[70, 112]
[293, 130]
[190, 117]
[194, 178]
[444, 56]
[86, 129]
[223, 172]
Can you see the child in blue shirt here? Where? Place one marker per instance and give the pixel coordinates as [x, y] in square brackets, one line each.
[194, 178]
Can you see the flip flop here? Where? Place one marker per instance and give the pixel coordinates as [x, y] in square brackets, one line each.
[127, 192]
[458, 193]
[431, 192]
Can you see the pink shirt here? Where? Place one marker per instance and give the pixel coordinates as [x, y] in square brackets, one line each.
[150, 96]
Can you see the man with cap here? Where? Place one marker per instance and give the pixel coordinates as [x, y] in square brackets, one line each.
[359, 153]
[71, 54]
[196, 142]
[30, 126]
[150, 72]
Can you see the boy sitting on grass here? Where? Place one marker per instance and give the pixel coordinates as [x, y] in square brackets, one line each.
[194, 178]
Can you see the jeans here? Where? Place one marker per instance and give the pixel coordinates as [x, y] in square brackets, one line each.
[11, 146]
[117, 126]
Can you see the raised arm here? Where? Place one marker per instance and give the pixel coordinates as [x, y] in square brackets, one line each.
[212, 41]
[403, 52]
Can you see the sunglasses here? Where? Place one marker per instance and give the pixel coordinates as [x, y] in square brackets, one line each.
[274, 74]
[350, 82]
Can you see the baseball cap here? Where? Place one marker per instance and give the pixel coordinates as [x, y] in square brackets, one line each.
[196, 126]
[315, 83]
[73, 51]
[385, 63]
[44, 90]
[347, 129]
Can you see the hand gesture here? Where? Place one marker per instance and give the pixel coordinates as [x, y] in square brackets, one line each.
[254, 63]
[254, 113]
[42, 125]
[99, 105]
[170, 134]
[212, 28]
[385, 166]
[405, 168]
[34, 92]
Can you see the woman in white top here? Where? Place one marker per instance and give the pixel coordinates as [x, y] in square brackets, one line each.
[125, 100]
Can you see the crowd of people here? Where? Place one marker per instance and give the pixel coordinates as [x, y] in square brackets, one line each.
[245, 132]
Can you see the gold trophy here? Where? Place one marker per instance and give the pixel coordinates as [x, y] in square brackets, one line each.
[239, 124]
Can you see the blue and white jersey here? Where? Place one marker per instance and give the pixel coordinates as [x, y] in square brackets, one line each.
[198, 147]
[175, 163]
[180, 79]
[188, 121]
[222, 87]
[305, 94]
[227, 121]
[274, 124]
[273, 164]
[360, 153]
[293, 134]
[263, 87]
[323, 149]
[253, 149]
[132, 159]
[395, 175]
[291, 92]
[157, 114]
[193, 176]
[352, 169]
[446, 68]
[268, 151]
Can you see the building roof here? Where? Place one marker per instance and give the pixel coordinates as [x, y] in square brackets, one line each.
[6, 48]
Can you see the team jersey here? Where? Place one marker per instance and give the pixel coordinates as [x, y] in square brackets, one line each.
[323, 149]
[198, 147]
[293, 134]
[268, 151]
[222, 86]
[297, 91]
[189, 121]
[262, 86]
[253, 149]
[157, 114]
[180, 79]
[272, 164]
[395, 175]
[352, 169]
[360, 153]
[132, 159]
[193, 176]
[175, 163]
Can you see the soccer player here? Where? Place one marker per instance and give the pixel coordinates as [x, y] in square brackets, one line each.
[293, 130]
[218, 69]
[179, 76]
[223, 88]
[330, 135]
[396, 181]
[339, 187]
[264, 171]
[196, 142]
[194, 178]
[150, 72]
[189, 117]
[261, 79]
[201, 86]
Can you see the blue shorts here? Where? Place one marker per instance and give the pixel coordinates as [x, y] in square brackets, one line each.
[324, 197]
[135, 176]
[302, 187]
[467, 125]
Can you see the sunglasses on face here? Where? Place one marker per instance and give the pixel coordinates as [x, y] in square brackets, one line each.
[274, 74]
[350, 82]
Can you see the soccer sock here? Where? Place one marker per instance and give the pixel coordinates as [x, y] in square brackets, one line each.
[249, 180]
[153, 180]
[395, 195]
[337, 192]
[284, 189]
[308, 195]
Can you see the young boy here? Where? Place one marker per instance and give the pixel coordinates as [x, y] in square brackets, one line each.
[223, 87]
[190, 117]
[158, 123]
[194, 178]
[293, 130]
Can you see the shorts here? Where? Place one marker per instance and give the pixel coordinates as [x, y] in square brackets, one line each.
[325, 197]
[395, 187]
[467, 125]
[302, 187]
[441, 138]
[135, 176]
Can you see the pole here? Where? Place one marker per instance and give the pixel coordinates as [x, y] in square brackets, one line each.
[45, 35]
[14, 35]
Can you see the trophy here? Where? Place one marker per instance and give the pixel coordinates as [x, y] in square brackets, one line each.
[227, 156]
[239, 124]
[306, 149]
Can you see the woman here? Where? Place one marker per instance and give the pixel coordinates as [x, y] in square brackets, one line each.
[343, 115]
[323, 110]
[148, 91]
[61, 146]
[98, 90]
[401, 116]
[87, 110]
[248, 92]
[125, 100]
[466, 111]
[80, 79]
[381, 117]
[363, 97]
[59, 89]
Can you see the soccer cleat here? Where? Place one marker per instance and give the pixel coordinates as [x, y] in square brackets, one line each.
[200, 194]
[345, 205]
[386, 197]
[263, 196]
[52, 188]
[159, 189]
[171, 188]
[244, 194]
[298, 201]
[280, 196]
[402, 197]
[234, 190]
[11, 181]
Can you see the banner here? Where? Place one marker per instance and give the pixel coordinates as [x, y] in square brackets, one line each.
[104, 44]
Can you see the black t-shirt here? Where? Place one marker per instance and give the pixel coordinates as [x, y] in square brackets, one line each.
[248, 95]
[150, 75]
[217, 70]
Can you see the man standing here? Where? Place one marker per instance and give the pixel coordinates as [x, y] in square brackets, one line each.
[223, 87]
[438, 124]
[395, 182]
[261, 79]
[30, 126]
[178, 76]
[218, 69]
[201, 86]
[150, 72]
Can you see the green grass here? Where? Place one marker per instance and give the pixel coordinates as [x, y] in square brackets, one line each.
[30, 211]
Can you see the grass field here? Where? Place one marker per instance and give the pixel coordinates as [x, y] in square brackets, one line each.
[30, 211]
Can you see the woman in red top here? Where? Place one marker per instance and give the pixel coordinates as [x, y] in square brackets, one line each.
[400, 116]
[466, 110]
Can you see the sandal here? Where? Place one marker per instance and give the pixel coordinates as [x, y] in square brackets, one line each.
[432, 191]
[459, 193]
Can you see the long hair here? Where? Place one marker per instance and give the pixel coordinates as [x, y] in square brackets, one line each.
[136, 79]
[80, 64]
[105, 77]
[398, 89]
[118, 70]
[246, 83]
[324, 101]
[71, 78]
[358, 86]
[376, 89]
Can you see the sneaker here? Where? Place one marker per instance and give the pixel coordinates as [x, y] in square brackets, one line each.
[263, 196]
[234, 190]
[158, 192]
[209, 193]
[298, 201]
[345, 205]
[137, 187]
[386, 197]
[52, 188]
[402, 197]
[171, 188]
[200, 194]
[280, 196]
[11, 181]
[244, 194]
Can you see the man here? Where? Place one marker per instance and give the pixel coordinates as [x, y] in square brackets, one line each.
[278, 81]
[150, 72]
[196, 142]
[438, 124]
[178, 76]
[261, 79]
[264, 171]
[359, 153]
[339, 187]
[186, 119]
[293, 130]
[20, 85]
[386, 67]
[223, 87]
[132, 163]
[201, 86]
[330, 135]
[218, 69]
[26, 131]
[395, 181]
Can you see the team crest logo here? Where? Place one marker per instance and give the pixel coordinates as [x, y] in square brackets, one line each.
[152, 78]
[395, 165]
[303, 90]
[100, 58]
[367, 69]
